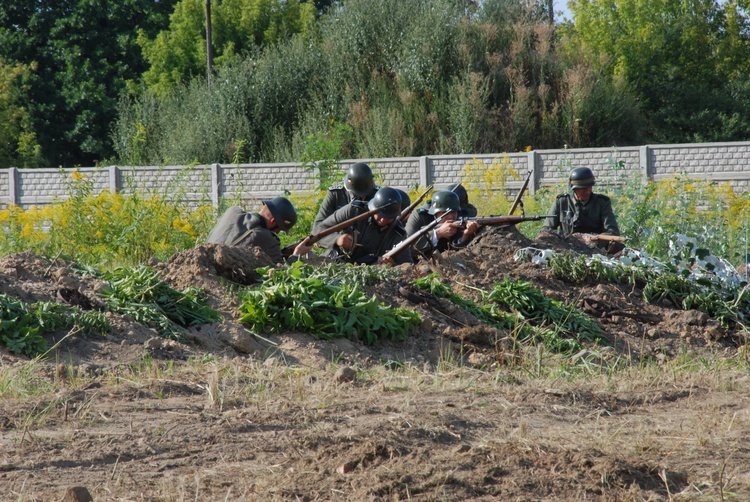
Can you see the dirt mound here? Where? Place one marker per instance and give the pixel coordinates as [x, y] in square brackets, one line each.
[444, 415]
[193, 267]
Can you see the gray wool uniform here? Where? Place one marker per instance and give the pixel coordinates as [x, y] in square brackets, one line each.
[336, 198]
[595, 216]
[428, 243]
[372, 241]
[238, 228]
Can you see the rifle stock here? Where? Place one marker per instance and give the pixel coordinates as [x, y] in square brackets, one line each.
[287, 251]
[519, 197]
[406, 212]
[603, 237]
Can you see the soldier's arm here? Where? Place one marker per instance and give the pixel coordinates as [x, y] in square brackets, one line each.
[423, 245]
[553, 222]
[339, 216]
[267, 241]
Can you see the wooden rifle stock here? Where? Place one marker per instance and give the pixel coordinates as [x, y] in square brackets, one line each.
[287, 251]
[603, 237]
[404, 244]
[519, 197]
[406, 212]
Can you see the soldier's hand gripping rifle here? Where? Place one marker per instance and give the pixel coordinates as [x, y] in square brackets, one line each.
[404, 244]
[287, 251]
[406, 212]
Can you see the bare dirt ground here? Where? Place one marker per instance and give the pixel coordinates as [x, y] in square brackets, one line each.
[660, 411]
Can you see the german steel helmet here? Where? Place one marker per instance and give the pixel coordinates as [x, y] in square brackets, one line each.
[581, 177]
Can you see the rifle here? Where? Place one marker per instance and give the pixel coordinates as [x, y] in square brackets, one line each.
[406, 212]
[520, 194]
[287, 251]
[500, 220]
[602, 237]
[413, 237]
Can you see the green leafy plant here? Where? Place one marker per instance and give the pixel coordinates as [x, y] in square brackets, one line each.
[532, 305]
[537, 317]
[23, 324]
[325, 302]
[140, 293]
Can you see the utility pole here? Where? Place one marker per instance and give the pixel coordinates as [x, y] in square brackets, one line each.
[209, 45]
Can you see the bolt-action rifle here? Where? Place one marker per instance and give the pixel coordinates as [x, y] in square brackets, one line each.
[519, 197]
[404, 244]
[287, 251]
[406, 212]
[499, 220]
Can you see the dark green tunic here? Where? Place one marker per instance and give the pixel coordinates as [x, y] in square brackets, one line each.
[372, 241]
[572, 216]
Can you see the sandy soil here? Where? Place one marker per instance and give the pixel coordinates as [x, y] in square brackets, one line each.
[456, 412]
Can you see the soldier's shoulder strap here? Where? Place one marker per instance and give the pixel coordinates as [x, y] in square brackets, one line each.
[602, 197]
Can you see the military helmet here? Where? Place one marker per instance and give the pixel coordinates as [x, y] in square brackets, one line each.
[388, 200]
[446, 201]
[405, 200]
[463, 196]
[283, 212]
[581, 177]
[359, 179]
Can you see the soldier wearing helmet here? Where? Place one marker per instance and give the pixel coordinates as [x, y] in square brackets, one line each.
[238, 228]
[447, 234]
[581, 210]
[359, 184]
[467, 209]
[368, 240]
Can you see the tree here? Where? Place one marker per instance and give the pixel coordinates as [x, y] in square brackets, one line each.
[239, 28]
[685, 59]
[18, 145]
[84, 52]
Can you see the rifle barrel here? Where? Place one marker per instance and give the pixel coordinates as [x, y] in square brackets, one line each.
[405, 213]
[505, 220]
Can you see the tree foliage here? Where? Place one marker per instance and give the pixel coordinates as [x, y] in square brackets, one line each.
[688, 61]
[405, 77]
[239, 27]
[80, 54]
[18, 145]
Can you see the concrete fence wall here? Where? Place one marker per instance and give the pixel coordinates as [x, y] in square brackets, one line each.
[250, 183]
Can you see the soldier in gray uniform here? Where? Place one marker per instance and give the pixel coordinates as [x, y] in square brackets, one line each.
[466, 209]
[447, 235]
[238, 228]
[582, 211]
[359, 184]
[368, 240]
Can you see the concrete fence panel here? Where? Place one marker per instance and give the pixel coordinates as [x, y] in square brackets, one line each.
[247, 184]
